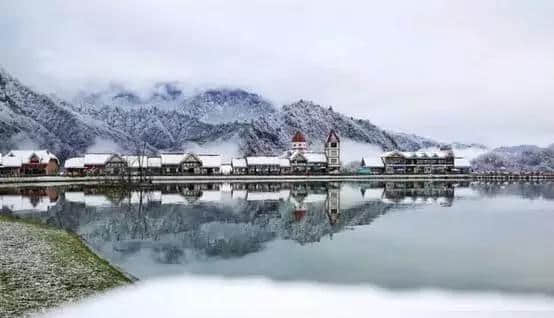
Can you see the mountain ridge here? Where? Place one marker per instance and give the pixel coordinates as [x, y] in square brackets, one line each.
[167, 120]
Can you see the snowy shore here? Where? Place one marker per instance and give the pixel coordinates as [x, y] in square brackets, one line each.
[43, 267]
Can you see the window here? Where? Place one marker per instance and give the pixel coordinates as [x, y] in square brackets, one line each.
[333, 160]
[333, 145]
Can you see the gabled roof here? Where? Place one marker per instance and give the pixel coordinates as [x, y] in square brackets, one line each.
[295, 155]
[191, 157]
[238, 163]
[298, 137]
[333, 136]
[25, 155]
[75, 163]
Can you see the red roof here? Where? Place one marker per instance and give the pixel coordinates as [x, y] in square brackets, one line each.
[331, 134]
[298, 137]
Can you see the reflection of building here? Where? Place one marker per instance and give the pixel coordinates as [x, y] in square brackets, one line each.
[418, 193]
[332, 205]
[30, 200]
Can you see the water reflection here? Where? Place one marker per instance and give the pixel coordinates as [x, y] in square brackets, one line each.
[332, 232]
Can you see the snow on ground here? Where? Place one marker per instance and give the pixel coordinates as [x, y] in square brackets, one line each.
[214, 297]
[41, 267]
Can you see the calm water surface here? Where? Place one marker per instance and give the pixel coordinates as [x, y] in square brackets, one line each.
[400, 236]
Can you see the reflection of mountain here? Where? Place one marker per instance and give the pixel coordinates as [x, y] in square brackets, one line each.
[183, 222]
[526, 190]
[179, 229]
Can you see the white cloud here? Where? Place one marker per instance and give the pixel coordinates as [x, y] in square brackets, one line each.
[471, 71]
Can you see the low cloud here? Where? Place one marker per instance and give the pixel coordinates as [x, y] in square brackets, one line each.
[102, 145]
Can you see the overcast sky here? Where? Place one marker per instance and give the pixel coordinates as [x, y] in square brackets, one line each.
[470, 71]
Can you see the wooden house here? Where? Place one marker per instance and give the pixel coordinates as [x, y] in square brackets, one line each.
[239, 166]
[75, 166]
[104, 164]
[30, 163]
[263, 165]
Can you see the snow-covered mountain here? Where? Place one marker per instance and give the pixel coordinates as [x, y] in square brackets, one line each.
[164, 118]
[32, 120]
[517, 158]
[225, 105]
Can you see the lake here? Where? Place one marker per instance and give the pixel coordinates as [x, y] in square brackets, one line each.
[399, 236]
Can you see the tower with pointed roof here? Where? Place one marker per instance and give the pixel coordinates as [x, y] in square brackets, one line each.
[332, 151]
[299, 142]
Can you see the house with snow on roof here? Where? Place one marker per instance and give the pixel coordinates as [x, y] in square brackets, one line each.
[29, 163]
[104, 164]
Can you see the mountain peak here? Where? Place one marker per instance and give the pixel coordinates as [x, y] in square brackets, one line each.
[226, 105]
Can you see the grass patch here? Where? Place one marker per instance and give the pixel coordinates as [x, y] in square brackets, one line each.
[42, 267]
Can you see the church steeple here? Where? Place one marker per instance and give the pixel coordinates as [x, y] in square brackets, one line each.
[299, 142]
[332, 150]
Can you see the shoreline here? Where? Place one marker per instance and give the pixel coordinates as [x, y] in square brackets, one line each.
[44, 267]
[232, 178]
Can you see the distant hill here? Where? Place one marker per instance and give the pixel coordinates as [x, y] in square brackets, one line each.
[517, 158]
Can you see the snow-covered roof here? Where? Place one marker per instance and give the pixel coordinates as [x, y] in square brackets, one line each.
[75, 163]
[11, 162]
[210, 161]
[462, 163]
[25, 156]
[98, 159]
[284, 163]
[373, 162]
[418, 154]
[238, 163]
[315, 157]
[263, 160]
[172, 158]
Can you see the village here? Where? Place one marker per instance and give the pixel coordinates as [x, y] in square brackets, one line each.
[298, 160]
